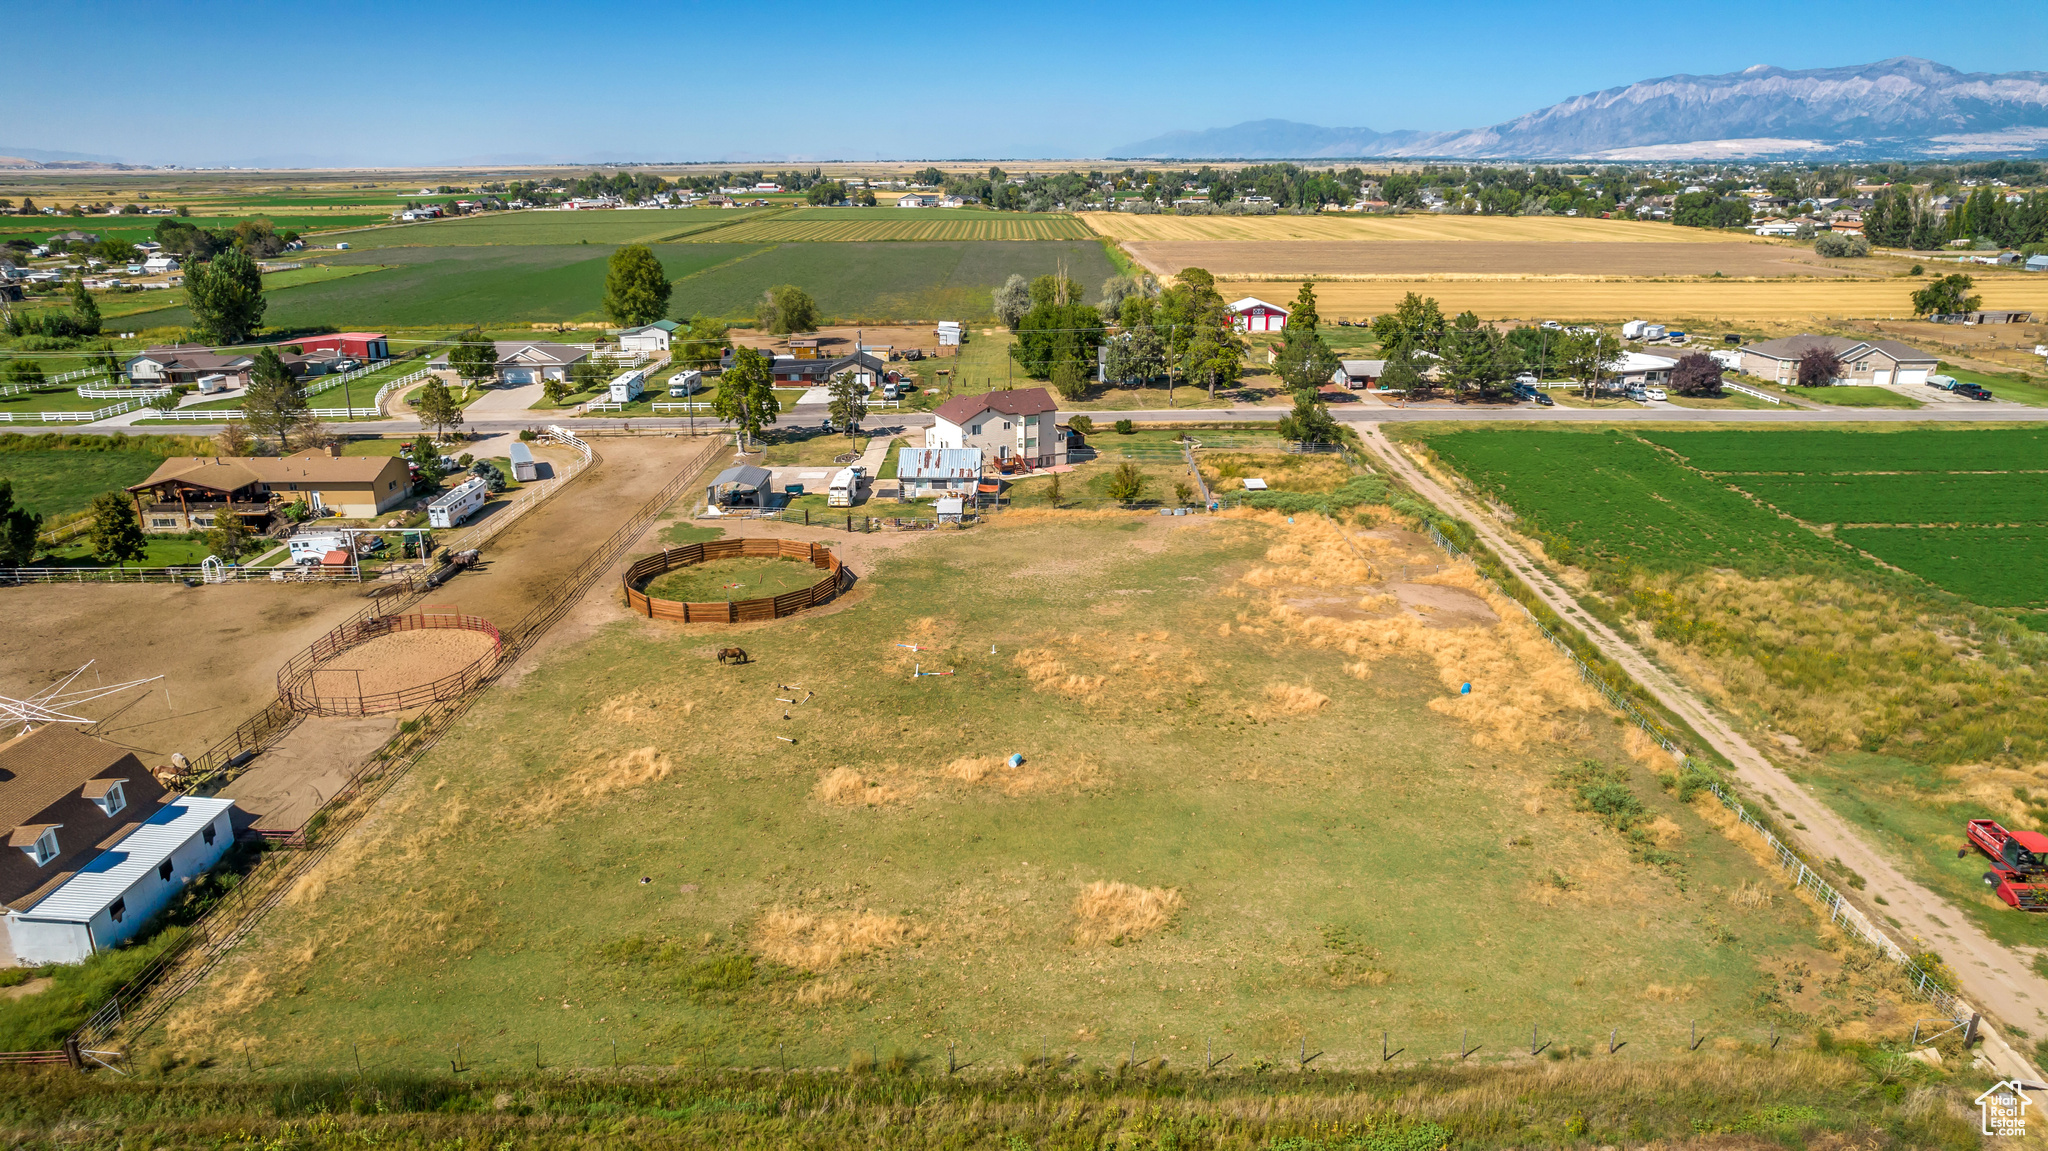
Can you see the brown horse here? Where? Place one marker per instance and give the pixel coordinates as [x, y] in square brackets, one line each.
[733, 655]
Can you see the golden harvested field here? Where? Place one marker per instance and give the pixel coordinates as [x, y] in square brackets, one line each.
[1734, 300]
[1123, 226]
[1352, 258]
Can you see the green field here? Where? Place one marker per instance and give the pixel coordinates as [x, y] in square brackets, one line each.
[508, 283]
[1618, 498]
[1918, 498]
[1309, 855]
[1994, 566]
[1831, 452]
[618, 226]
[881, 223]
[733, 579]
[56, 483]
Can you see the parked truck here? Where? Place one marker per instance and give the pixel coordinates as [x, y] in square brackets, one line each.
[2019, 863]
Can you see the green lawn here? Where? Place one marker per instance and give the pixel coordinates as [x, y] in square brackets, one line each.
[732, 579]
[55, 483]
[794, 448]
[63, 398]
[1847, 396]
[158, 553]
[698, 890]
[2023, 387]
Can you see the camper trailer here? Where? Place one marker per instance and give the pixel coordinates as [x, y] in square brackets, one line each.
[628, 386]
[845, 488]
[950, 333]
[523, 468]
[213, 383]
[685, 383]
[457, 505]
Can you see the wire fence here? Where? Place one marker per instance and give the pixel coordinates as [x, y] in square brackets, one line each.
[1841, 912]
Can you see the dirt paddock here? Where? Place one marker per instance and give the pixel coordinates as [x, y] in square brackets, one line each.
[399, 660]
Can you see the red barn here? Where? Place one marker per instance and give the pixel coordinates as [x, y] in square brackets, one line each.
[361, 345]
[1252, 314]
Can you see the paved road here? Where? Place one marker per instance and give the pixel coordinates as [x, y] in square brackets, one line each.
[1999, 982]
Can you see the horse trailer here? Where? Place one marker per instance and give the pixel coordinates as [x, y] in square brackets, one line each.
[523, 468]
[456, 506]
[685, 383]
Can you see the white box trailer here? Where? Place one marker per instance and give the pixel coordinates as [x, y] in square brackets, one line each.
[523, 468]
[1633, 330]
[685, 383]
[628, 386]
[213, 383]
[845, 488]
[950, 332]
[456, 506]
[311, 549]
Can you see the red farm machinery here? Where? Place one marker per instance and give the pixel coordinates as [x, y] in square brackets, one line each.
[2019, 863]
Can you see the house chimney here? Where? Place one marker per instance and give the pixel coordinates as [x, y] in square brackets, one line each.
[334, 449]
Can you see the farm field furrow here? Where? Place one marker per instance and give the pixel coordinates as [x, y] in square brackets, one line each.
[617, 226]
[1905, 499]
[853, 224]
[1835, 452]
[1480, 258]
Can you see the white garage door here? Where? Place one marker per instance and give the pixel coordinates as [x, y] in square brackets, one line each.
[518, 375]
[1913, 375]
[1882, 377]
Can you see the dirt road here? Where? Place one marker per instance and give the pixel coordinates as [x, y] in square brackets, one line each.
[1999, 983]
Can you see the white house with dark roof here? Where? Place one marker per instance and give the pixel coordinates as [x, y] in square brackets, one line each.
[98, 846]
[1015, 424]
[527, 362]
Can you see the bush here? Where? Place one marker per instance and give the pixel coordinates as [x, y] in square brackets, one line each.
[528, 435]
[1838, 244]
[1082, 424]
[1124, 427]
[1353, 492]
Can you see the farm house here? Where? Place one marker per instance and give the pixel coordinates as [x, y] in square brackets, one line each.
[1018, 423]
[456, 506]
[185, 493]
[527, 362]
[1252, 314]
[101, 847]
[1864, 361]
[652, 337]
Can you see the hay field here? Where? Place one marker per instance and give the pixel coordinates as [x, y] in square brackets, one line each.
[1124, 226]
[1253, 807]
[1684, 301]
[845, 224]
[1439, 258]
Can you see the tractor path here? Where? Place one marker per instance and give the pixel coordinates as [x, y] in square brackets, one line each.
[1997, 981]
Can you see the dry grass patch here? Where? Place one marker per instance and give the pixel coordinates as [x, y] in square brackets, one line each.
[845, 787]
[812, 942]
[1294, 699]
[1109, 668]
[1115, 912]
[1028, 778]
[621, 772]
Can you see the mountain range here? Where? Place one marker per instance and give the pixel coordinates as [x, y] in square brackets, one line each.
[1901, 108]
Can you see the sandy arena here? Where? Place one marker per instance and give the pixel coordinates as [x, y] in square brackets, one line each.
[398, 661]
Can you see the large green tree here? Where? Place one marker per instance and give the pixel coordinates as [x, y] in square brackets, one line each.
[274, 405]
[18, 528]
[1475, 355]
[1310, 421]
[474, 358]
[229, 536]
[225, 295]
[1947, 295]
[437, 406]
[1587, 357]
[1416, 319]
[1213, 359]
[1404, 370]
[1051, 334]
[849, 404]
[785, 309]
[702, 340]
[115, 536]
[746, 395]
[636, 290]
[1304, 314]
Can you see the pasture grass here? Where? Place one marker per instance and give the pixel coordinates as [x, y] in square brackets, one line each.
[617, 846]
[61, 482]
[552, 229]
[746, 577]
[1854, 1095]
[2024, 387]
[854, 224]
[807, 446]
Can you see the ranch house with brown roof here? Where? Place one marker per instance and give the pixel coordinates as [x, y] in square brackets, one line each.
[186, 493]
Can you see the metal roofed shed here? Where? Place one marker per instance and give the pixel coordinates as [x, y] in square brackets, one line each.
[742, 485]
[1255, 485]
[110, 898]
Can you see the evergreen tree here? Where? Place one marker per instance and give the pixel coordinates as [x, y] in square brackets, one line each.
[18, 529]
[274, 405]
[85, 309]
[229, 535]
[849, 402]
[1310, 421]
[115, 536]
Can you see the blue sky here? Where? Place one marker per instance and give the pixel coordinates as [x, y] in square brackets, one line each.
[515, 81]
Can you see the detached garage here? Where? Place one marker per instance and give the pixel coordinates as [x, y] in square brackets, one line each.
[1252, 314]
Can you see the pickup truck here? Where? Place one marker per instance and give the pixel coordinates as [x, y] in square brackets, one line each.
[1973, 391]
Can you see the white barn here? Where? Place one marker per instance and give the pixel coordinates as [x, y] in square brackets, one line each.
[652, 337]
[1252, 314]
